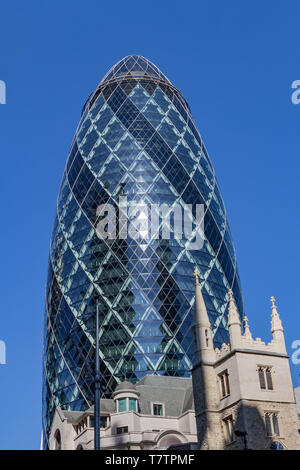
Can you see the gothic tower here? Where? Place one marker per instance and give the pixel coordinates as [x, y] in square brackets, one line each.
[243, 392]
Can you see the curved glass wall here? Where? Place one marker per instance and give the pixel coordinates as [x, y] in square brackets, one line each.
[136, 138]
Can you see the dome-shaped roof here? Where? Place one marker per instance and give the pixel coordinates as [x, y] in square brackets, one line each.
[125, 386]
[134, 65]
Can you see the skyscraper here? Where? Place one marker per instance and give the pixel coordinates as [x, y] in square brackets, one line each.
[136, 139]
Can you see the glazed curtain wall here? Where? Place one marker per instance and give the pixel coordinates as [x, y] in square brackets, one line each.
[136, 139]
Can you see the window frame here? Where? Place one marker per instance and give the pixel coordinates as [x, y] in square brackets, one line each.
[124, 400]
[228, 429]
[224, 384]
[157, 403]
[135, 403]
[271, 419]
[118, 432]
[265, 377]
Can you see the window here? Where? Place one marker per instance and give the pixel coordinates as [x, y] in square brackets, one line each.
[272, 425]
[275, 425]
[228, 429]
[261, 375]
[57, 438]
[224, 384]
[265, 378]
[122, 404]
[81, 425]
[122, 430]
[103, 421]
[268, 424]
[269, 379]
[132, 404]
[157, 409]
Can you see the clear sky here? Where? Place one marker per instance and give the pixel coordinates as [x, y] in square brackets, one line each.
[233, 61]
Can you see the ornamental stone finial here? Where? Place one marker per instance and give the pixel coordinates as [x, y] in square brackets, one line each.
[247, 333]
[275, 318]
[233, 315]
[196, 274]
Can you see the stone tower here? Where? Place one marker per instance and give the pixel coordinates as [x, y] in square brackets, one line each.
[243, 392]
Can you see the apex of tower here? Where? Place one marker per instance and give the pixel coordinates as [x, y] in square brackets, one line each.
[134, 66]
[247, 332]
[234, 323]
[276, 324]
[233, 314]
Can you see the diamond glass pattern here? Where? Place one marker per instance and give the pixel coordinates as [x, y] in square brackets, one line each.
[136, 138]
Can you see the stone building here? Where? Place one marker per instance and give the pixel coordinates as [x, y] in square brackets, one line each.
[297, 396]
[156, 413]
[243, 392]
[243, 396]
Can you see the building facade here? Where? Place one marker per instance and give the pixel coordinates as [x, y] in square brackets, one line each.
[297, 395]
[243, 392]
[136, 140]
[156, 413]
[243, 396]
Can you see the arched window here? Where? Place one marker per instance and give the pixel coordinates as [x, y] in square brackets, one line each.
[261, 375]
[265, 377]
[268, 424]
[272, 424]
[275, 425]
[79, 447]
[57, 438]
[269, 379]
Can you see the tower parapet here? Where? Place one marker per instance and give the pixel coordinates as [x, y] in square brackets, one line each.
[247, 390]
[245, 340]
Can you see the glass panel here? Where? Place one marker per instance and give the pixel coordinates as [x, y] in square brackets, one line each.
[146, 288]
[275, 425]
[261, 375]
[122, 404]
[222, 379]
[132, 404]
[157, 410]
[122, 430]
[227, 383]
[268, 425]
[269, 379]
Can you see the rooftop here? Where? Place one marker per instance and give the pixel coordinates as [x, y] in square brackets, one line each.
[175, 392]
[134, 65]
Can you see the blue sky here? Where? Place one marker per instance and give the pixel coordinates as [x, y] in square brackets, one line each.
[233, 61]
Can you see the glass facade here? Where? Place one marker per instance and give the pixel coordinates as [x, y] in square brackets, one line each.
[136, 138]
